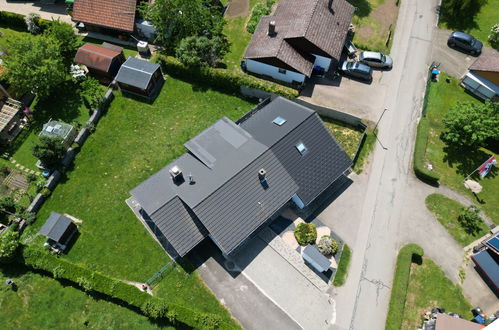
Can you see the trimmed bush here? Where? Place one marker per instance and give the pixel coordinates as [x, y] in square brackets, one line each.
[419, 154]
[327, 245]
[220, 79]
[305, 233]
[400, 283]
[16, 21]
[92, 281]
[9, 243]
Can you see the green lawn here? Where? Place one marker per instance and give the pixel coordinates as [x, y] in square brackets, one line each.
[41, 302]
[132, 141]
[480, 25]
[446, 211]
[341, 272]
[429, 288]
[347, 136]
[454, 165]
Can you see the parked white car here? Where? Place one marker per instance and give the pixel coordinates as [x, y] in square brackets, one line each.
[376, 60]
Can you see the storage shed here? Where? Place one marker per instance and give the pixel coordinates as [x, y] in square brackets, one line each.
[311, 255]
[140, 77]
[59, 229]
[482, 79]
[102, 62]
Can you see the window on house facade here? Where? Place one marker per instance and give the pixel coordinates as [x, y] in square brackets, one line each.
[283, 71]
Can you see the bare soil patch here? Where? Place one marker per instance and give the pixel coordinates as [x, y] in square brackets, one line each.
[237, 8]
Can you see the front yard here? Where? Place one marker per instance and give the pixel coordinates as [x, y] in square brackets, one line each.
[132, 141]
[454, 165]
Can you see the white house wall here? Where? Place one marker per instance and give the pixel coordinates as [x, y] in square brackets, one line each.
[323, 62]
[272, 71]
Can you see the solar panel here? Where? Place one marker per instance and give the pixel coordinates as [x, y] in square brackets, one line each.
[494, 242]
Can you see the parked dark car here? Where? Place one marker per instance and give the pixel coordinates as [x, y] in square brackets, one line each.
[358, 70]
[465, 42]
[376, 60]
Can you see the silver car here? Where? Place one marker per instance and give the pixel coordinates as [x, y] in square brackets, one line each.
[376, 60]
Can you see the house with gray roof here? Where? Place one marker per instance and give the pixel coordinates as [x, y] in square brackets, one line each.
[301, 35]
[139, 77]
[236, 177]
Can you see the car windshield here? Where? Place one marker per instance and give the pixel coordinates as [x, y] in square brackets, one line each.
[350, 65]
[383, 58]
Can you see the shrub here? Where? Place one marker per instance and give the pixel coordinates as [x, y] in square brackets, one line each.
[49, 150]
[5, 170]
[12, 20]
[40, 184]
[470, 220]
[305, 233]
[31, 21]
[327, 245]
[9, 243]
[494, 36]
[75, 146]
[45, 192]
[257, 13]
[400, 283]
[31, 177]
[419, 154]
[8, 203]
[90, 126]
[220, 79]
[195, 51]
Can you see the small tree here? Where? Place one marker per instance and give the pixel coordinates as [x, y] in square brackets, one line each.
[9, 243]
[8, 204]
[67, 41]
[470, 124]
[49, 150]
[494, 36]
[91, 92]
[194, 51]
[327, 245]
[305, 233]
[470, 220]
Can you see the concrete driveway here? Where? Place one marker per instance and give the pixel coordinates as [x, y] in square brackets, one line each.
[453, 61]
[45, 9]
[349, 95]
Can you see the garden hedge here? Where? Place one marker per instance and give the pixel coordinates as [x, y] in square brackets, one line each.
[219, 79]
[257, 13]
[92, 281]
[16, 21]
[419, 154]
[400, 284]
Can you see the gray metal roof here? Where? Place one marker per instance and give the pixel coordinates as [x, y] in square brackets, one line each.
[55, 226]
[488, 265]
[136, 72]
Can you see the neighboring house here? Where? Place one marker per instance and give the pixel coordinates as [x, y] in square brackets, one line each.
[11, 117]
[59, 229]
[108, 16]
[301, 35]
[59, 129]
[487, 262]
[238, 177]
[103, 62]
[140, 77]
[482, 79]
[448, 322]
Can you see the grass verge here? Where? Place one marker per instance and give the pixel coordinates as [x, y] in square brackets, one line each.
[342, 271]
[446, 211]
[366, 147]
[347, 136]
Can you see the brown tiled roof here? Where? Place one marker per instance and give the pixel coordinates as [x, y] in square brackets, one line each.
[486, 63]
[315, 26]
[96, 57]
[114, 14]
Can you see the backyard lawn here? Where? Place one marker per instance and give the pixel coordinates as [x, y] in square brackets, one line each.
[446, 211]
[41, 302]
[429, 288]
[478, 26]
[453, 166]
[133, 140]
[373, 20]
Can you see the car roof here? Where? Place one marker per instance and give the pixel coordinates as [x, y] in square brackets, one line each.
[376, 55]
[462, 35]
[362, 67]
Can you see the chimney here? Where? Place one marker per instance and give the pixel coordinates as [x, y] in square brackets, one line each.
[176, 174]
[262, 173]
[272, 28]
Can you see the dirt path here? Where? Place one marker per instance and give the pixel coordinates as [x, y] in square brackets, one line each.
[237, 8]
[140, 286]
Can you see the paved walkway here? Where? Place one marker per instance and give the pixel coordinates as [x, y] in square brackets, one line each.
[45, 10]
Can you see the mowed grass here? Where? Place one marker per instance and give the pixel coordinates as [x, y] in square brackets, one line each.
[347, 136]
[41, 302]
[479, 26]
[341, 273]
[446, 211]
[452, 165]
[133, 140]
[429, 288]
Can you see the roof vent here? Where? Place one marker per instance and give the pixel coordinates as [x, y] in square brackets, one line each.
[262, 173]
[279, 121]
[176, 173]
[272, 28]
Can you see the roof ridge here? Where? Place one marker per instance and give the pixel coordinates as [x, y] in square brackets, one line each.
[311, 15]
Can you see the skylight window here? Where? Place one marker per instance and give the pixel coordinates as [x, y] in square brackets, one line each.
[301, 148]
[279, 121]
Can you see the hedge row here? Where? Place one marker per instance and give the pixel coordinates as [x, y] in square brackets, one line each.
[419, 154]
[16, 21]
[220, 79]
[400, 284]
[92, 281]
[257, 13]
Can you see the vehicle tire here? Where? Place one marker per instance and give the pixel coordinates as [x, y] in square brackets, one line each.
[451, 44]
[473, 52]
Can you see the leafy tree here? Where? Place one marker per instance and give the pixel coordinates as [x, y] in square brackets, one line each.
[49, 150]
[66, 39]
[9, 243]
[470, 220]
[8, 204]
[194, 51]
[34, 64]
[458, 10]
[469, 124]
[177, 19]
[91, 92]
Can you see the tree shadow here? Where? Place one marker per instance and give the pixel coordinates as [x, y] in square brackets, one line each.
[466, 161]
[465, 20]
[362, 7]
